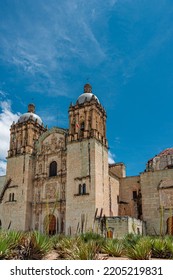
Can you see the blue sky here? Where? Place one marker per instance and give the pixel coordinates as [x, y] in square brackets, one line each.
[123, 48]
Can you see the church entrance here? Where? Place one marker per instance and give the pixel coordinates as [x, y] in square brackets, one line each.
[170, 226]
[50, 224]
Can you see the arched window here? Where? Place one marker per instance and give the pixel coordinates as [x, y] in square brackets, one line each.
[82, 128]
[53, 169]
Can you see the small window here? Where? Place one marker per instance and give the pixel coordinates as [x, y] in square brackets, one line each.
[10, 197]
[118, 199]
[135, 195]
[53, 169]
[0, 224]
[82, 128]
[82, 189]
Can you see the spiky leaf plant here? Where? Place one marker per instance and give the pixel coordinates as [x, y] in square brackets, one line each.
[141, 250]
[91, 236]
[83, 251]
[55, 239]
[131, 239]
[62, 247]
[32, 246]
[114, 248]
[14, 238]
[162, 248]
[4, 249]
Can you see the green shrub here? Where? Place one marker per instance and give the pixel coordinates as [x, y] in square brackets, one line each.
[32, 246]
[91, 236]
[141, 250]
[131, 239]
[83, 251]
[162, 248]
[114, 248]
[4, 249]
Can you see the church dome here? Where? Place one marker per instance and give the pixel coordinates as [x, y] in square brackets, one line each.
[30, 115]
[87, 95]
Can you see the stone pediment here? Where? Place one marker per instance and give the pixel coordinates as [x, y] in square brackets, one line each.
[51, 141]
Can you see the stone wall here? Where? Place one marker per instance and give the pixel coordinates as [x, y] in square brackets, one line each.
[155, 203]
[127, 201]
[87, 163]
[118, 227]
[17, 199]
[113, 195]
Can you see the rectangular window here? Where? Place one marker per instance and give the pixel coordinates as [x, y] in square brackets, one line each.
[135, 195]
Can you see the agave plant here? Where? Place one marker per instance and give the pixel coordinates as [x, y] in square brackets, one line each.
[55, 239]
[114, 248]
[83, 251]
[141, 250]
[131, 239]
[14, 238]
[32, 245]
[65, 244]
[91, 236]
[4, 249]
[162, 248]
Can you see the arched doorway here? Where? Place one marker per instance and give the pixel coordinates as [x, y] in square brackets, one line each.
[50, 224]
[170, 226]
[110, 233]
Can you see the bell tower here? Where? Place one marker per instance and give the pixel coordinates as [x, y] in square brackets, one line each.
[87, 162]
[87, 118]
[17, 194]
[25, 132]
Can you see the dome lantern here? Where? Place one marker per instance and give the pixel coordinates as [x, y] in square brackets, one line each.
[87, 95]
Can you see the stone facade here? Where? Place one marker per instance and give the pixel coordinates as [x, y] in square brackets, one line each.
[59, 180]
[117, 226]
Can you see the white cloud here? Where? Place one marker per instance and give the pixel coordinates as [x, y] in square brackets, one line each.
[2, 167]
[3, 93]
[65, 34]
[6, 119]
[111, 157]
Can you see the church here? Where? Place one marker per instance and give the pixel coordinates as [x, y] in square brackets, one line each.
[59, 181]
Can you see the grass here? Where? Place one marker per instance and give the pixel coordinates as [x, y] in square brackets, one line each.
[88, 246]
